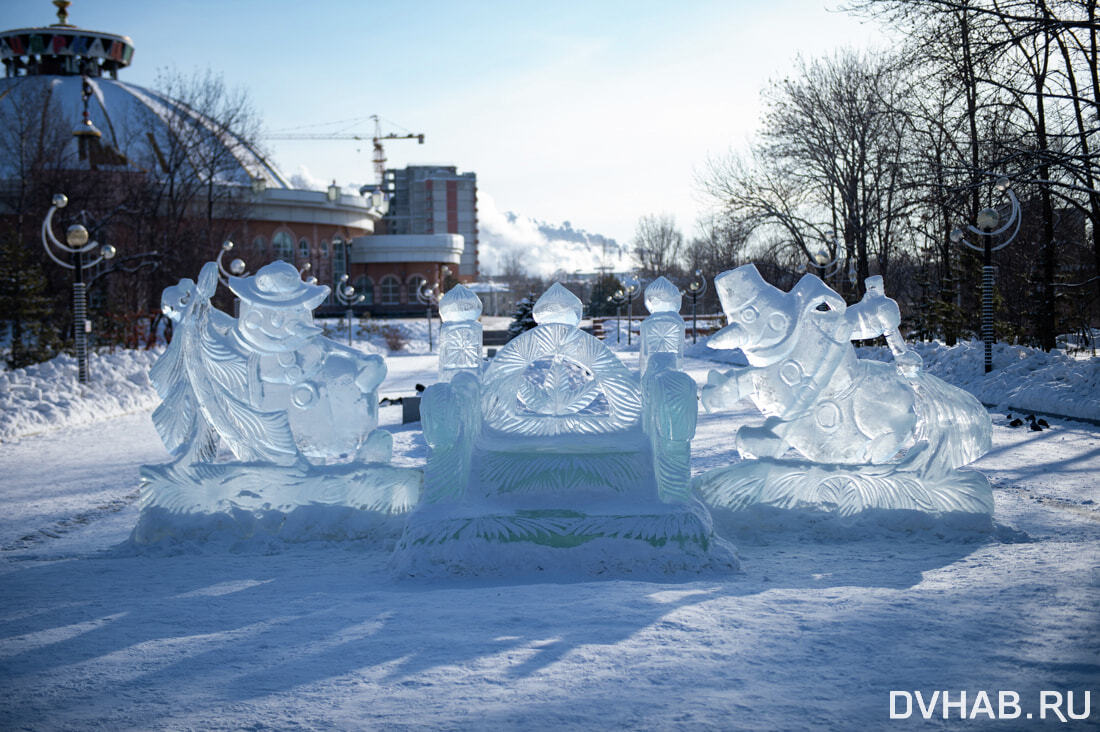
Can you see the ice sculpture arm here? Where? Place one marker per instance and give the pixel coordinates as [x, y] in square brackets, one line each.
[907, 361]
[723, 390]
[673, 410]
[877, 315]
[448, 414]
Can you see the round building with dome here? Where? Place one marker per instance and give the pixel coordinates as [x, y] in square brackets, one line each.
[62, 100]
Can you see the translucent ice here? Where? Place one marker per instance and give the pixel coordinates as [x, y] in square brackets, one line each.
[558, 305]
[546, 458]
[277, 394]
[460, 338]
[460, 304]
[663, 331]
[852, 416]
[557, 379]
[661, 296]
[267, 384]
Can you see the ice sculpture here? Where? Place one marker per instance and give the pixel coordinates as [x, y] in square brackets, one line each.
[869, 435]
[558, 458]
[663, 330]
[296, 410]
[460, 336]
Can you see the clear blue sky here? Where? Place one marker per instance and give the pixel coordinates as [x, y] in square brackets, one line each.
[592, 112]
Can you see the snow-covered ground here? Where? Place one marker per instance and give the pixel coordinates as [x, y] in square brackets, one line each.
[813, 633]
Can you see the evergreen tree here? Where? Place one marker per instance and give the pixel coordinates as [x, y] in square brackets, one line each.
[523, 319]
[26, 304]
[606, 286]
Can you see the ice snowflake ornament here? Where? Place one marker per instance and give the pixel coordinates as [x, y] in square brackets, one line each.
[869, 435]
[296, 410]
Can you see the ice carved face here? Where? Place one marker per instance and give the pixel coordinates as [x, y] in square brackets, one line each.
[176, 300]
[276, 329]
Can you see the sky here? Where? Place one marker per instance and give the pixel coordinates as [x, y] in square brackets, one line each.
[593, 113]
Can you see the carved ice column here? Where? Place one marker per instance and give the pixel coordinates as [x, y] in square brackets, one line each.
[460, 336]
[663, 330]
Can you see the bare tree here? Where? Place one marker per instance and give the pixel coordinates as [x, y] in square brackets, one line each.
[191, 140]
[828, 167]
[657, 245]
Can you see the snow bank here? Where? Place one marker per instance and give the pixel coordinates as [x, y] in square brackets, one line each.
[1023, 379]
[46, 396]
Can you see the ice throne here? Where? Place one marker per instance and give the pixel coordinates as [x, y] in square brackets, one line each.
[559, 458]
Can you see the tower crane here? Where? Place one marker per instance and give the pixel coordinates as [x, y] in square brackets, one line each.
[379, 156]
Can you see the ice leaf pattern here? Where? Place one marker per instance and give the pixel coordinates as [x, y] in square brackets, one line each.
[512, 405]
[200, 376]
[559, 390]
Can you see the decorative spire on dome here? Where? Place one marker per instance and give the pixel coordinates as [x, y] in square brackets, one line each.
[62, 12]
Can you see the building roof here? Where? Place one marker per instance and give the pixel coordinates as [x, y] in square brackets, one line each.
[137, 124]
[50, 66]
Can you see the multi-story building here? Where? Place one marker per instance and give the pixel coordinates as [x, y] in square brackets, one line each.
[435, 199]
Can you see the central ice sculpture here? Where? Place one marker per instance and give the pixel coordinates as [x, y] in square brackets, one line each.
[558, 458]
[297, 412]
[868, 435]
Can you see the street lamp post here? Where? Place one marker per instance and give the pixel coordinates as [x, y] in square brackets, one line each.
[630, 290]
[826, 267]
[345, 295]
[988, 227]
[618, 297]
[76, 246]
[428, 295]
[696, 289]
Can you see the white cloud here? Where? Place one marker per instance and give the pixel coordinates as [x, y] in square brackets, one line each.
[543, 248]
[304, 180]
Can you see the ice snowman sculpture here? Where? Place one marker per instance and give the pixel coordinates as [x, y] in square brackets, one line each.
[869, 435]
[298, 412]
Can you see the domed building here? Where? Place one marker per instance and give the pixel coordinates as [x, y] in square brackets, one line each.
[181, 170]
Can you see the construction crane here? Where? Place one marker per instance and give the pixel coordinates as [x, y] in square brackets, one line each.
[376, 140]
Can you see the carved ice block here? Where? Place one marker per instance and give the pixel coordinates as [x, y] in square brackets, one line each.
[460, 338]
[663, 330]
[287, 402]
[870, 435]
[556, 455]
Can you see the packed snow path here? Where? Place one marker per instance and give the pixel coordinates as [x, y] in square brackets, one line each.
[813, 632]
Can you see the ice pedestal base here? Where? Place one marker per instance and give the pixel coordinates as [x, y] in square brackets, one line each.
[234, 502]
[845, 490]
[482, 540]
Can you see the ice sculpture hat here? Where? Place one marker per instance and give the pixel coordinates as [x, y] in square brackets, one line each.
[459, 305]
[739, 287]
[663, 297]
[558, 305]
[278, 285]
